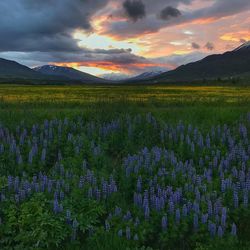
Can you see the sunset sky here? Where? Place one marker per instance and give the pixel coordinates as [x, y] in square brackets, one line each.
[120, 36]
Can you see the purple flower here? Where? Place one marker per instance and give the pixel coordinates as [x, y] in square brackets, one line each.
[220, 232]
[43, 156]
[234, 230]
[236, 200]
[204, 218]
[146, 212]
[128, 233]
[212, 228]
[184, 210]
[107, 225]
[68, 216]
[164, 223]
[56, 207]
[120, 233]
[136, 238]
[81, 182]
[177, 216]
[196, 222]
[118, 211]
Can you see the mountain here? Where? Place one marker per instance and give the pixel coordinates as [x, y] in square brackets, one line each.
[68, 73]
[229, 64]
[114, 76]
[145, 76]
[13, 70]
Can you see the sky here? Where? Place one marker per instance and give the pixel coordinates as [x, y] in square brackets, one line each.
[124, 37]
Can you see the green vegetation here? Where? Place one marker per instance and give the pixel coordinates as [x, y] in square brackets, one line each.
[74, 161]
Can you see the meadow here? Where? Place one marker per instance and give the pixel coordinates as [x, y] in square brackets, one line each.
[124, 167]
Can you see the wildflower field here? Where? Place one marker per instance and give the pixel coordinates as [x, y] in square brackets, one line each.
[124, 167]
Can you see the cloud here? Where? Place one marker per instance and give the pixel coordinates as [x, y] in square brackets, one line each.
[209, 46]
[47, 25]
[243, 40]
[122, 60]
[135, 9]
[169, 12]
[195, 45]
[181, 12]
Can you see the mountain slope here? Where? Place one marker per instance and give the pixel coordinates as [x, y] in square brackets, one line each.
[146, 76]
[229, 64]
[13, 70]
[68, 73]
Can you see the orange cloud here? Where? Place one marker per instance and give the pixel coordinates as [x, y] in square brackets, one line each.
[112, 66]
[236, 36]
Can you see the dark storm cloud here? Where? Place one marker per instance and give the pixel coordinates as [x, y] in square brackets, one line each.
[122, 59]
[151, 23]
[209, 46]
[169, 12]
[28, 25]
[195, 46]
[135, 9]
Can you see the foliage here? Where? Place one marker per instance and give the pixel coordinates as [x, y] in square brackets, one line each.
[141, 172]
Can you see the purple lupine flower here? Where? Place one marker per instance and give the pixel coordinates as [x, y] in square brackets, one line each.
[74, 230]
[139, 185]
[210, 208]
[128, 233]
[118, 211]
[43, 156]
[10, 182]
[30, 158]
[236, 200]
[196, 222]
[146, 212]
[171, 207]
[68, 216]
[223, 186]
[204, 218]
[164, 223]
[184, 210]
[137, 222]
[107, 225]
[56, 207]
[61, 195]
[220, 232]
[177, 216]
[120, 233]
[157, 204]
[136, 238]
[81, 182]
[245, 199]
[212, 229]
[234, 230]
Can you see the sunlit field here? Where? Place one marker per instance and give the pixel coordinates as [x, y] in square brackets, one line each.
[124, 167]
[133, 94]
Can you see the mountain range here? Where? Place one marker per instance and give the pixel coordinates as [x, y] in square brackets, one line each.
[230, 64]
[67, 73]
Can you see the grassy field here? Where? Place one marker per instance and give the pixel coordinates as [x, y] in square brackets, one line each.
[124, 167]
[198, 104]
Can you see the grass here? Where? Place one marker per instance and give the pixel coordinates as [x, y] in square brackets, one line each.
[189, 103]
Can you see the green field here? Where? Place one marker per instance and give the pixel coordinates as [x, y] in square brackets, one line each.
[199, 104]
[61, 147]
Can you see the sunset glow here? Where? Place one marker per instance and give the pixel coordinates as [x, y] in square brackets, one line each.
[101, 37]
